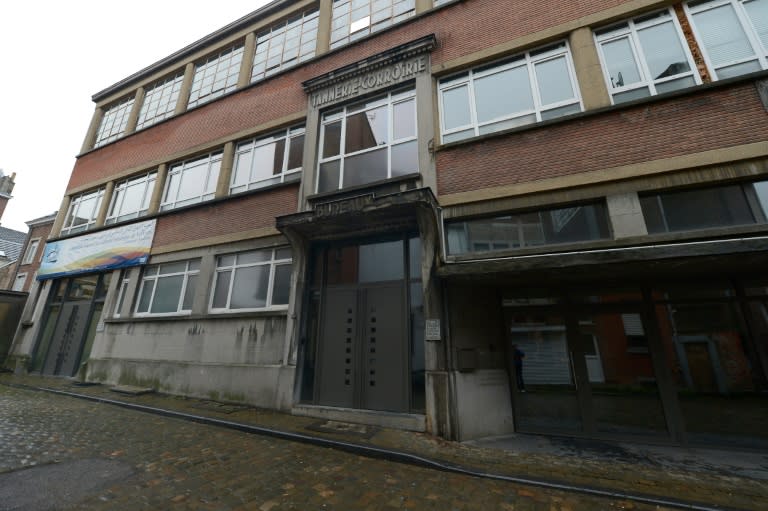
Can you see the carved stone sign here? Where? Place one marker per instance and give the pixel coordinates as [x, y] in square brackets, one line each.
[340, 207]
[380, 78]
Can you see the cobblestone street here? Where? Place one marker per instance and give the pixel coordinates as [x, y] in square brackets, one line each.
[83, 455]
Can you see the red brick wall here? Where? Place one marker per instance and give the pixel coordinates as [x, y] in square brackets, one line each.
[707, 120]
[231, 216]
[457, 32]
[38, 231]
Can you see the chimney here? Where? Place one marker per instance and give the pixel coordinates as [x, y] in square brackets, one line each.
[6, 187]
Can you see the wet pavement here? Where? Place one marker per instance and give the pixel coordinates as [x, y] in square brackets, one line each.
[61, 452]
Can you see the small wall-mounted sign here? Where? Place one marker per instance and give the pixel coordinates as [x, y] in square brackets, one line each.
[432, 330]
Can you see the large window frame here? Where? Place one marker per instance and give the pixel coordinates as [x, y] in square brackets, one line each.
[120, 210]
[285, 44]
[160, 101]
[268, 160]
[400, 139]
[157, 277]
[29, 255]
[354, 19]
[114, 122]
[629, 33]
[216, 75]
[83, 211]
[229, 279]
[464, 106]
[753, 58]
[203, 174]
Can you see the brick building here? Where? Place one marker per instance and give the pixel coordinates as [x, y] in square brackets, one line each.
[29, 263]
[452, 216]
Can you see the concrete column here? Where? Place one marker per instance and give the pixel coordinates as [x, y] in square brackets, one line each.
[425, 122]
[105, 200]
[133, 117]
[324, 27]
[309, 159]
[225, 172]
[56, 228]
[423, 5]
[126, 310]
[589, 73]
[157, 193]
[93, 129]
[204, 281]
[186, 87]
[247, 66]
[626, 215]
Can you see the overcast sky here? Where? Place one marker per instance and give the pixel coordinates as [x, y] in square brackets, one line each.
[55, 55]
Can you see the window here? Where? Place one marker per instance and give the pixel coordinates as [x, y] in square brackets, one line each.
[191, 181]
[160, 101]
[216, 76]
[265, 161]
[368, 142]
[122, 290]
[29, 255]
[258, 279]
[353, 19]
[114, 122]
[284, 45]
[168, 288]
[720, 206]
[18, 283]
[733, 34]
[585, 222]
[527, 88]
[82, 212]
[131, 198]
[645, 56]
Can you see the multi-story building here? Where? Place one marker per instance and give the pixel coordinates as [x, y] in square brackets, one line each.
[29, 262]
[469, 217]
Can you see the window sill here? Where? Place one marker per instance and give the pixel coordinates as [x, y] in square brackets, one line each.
[197, 317]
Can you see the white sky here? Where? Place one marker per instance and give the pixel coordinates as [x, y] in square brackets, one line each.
[54, 55]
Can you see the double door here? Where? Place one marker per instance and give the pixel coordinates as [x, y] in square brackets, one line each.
[363, 359]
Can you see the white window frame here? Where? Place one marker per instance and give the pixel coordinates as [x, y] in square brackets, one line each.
[273, 262]
[155, 278]
[216, 75]
[32, 248]
[73, 212]
[272, 53]
[122, 290]
[251, 146]
[114, 121]
[759, 51]
[528, 60]
[343, 113]
[347, 25]
[20, 277]
[160, 101]
[630, 33]
[115, 214]
[176, 175]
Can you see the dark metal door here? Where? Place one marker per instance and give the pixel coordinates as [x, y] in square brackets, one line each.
[68, 339]
[337, 348]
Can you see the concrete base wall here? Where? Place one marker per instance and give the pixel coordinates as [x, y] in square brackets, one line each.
[483, 404]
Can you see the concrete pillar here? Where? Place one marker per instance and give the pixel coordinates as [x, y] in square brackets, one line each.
[63, 209]
[204, 281]
[93, 129]
[309, 159]
[425, 125]
[126, 310]
[105, 201]
[589, 73]
[225, 172]
[133, 117]
[626, 215]
[423, 5]
[324, 27]
[186, 87]
[247, 66]
[157, 193]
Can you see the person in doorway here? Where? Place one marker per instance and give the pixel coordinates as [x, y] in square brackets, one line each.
[517, 358]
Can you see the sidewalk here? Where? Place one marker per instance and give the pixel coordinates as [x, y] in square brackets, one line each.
[705, 478]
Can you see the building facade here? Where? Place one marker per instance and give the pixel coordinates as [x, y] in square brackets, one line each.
[447, 216]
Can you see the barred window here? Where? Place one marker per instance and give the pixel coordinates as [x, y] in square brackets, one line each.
[269, 160]
[168, 288]
[191, 181]
[258, 279]
[114, 122]
[160, 101]
[216, 75]
[285, 44]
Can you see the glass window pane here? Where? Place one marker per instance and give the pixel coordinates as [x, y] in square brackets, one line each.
[503, 94]
[663, 51]
[167, 294]
[189, 293]
[282, 285]
[699, 209]
[761, 189]
[405, 158]
[456, 108]
[757, 10]
[328, 178]
[296, 153]
[366, 129]
[620, 61]
[221, 289]
[381, 262]
[250, 287]
[404, 119]
[257, 256]
[365, 168]
[331, 139]
[722, 35]
[554, 81]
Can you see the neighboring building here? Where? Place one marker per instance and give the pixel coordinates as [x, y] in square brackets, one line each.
[11, 241]
[28, 264]
[360, 210]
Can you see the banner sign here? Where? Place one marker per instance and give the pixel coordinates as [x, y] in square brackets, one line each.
[120, 247]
